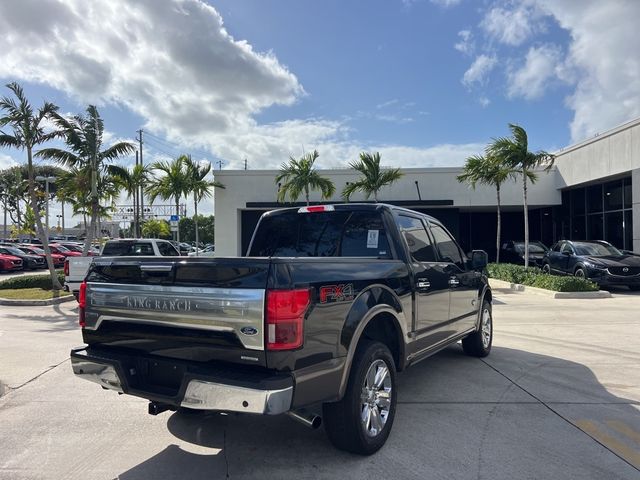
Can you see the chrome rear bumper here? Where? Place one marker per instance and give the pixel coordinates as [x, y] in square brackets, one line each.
[199, 393]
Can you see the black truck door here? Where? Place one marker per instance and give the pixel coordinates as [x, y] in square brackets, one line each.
[431, 281]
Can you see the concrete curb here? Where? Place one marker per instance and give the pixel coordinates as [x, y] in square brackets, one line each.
[516, 287]
[36, 303]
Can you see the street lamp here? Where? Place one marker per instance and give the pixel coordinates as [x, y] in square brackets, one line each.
[46, 181]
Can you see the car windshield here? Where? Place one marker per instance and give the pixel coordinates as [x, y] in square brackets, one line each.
[595, 249]
[13, 250]
[61, 248]
[35, 250]
[74, 248]
[535, 247]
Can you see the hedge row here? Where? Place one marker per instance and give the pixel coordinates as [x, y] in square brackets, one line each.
[30, 281]
[534, 277]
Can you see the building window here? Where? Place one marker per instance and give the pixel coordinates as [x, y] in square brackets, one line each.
[599, 212]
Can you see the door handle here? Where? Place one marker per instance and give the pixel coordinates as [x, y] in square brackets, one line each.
[424, 284]
[454, 282]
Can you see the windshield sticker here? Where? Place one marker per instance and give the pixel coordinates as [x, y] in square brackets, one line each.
[372, 239]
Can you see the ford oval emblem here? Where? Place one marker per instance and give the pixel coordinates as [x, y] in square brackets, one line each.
[249, 331]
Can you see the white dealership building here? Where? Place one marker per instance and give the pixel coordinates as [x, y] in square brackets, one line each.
[592, 192]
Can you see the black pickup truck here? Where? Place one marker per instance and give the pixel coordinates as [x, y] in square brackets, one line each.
[329, 304]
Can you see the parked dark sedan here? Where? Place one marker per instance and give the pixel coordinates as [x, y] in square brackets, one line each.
[29, 262]
[596, 260]
[512, 251]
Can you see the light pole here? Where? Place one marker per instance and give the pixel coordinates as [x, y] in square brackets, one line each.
[46, 181]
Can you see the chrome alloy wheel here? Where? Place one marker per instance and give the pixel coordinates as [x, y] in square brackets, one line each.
[375, 398]
[486, 328]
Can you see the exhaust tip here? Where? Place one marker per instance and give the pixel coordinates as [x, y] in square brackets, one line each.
[308, 419]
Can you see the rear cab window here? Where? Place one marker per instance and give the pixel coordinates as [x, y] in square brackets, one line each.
[124, 249]
[340, 233]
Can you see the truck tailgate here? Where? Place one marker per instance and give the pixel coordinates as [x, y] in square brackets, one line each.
[196, 309]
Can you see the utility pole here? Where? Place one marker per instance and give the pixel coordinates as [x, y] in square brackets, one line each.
[219, 163]
[136, 205]
[245, 163]
[141, 190]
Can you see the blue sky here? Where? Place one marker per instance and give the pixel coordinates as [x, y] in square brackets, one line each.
[426, 82]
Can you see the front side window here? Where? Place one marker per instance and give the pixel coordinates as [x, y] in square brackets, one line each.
[167, 250]
[566, 248]
[417, 239]
[446, 245]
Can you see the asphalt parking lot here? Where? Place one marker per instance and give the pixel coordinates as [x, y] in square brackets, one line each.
[558, 398]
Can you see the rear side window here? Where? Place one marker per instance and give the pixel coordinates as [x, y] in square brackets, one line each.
[321, 234]
[417, 239]
[167, 250]
[119, 249]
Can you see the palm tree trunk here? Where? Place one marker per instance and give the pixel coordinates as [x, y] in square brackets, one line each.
[499, 225]
[526, 219]
[195, 222]
[306, 194]
[55, 284]
[92, 227]
[375, 196]
[178, 214]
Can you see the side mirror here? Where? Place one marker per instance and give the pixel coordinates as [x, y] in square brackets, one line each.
[568, 254]
[479, 259]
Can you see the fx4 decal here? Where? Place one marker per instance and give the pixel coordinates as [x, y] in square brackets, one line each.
[336, 293]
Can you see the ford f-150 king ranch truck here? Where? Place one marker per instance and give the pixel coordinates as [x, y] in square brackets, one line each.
[331, 302]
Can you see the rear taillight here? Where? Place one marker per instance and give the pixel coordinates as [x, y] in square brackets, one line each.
[82, 303]
[66, 268]
[285, 318]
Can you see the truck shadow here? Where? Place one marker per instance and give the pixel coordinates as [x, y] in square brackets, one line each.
[513, 415]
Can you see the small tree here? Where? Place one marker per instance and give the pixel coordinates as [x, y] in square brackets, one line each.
[28, 132]
[373, 176]
[156, 229]
[487, 171]
[298, 175]
[515, 153]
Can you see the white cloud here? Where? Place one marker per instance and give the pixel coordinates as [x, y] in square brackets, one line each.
[6, 161]
[542, 67]
[513, 25]
[479, 70]
[446, 3]
[484, 101]
[603, 51]
[171, 62]
[466, 44]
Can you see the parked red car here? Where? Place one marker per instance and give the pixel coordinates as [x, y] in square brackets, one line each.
[58, 260]
[9, 263]
[59, 249]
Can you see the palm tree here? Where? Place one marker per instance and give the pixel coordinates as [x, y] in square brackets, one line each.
[374, 177]
[200, 187]
[487, 171]
[171, 183]
[515, 153]
[28, 132]
[299, 176]
[156, 229]
[132, 180]
[83, 135]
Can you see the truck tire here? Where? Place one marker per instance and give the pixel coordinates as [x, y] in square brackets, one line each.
[360, 423]
[478, 344]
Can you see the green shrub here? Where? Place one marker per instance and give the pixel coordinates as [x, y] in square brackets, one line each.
[30, 281]
[534, 277]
